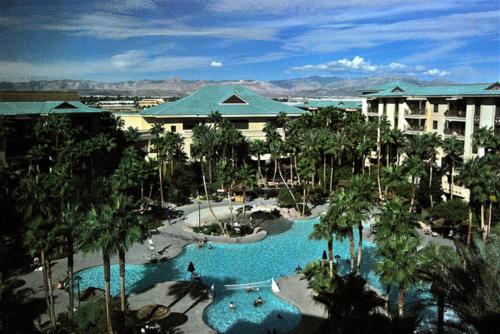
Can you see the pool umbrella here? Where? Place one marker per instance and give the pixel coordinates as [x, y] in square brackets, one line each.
[324, 257]
[153, 313]
[191, 267]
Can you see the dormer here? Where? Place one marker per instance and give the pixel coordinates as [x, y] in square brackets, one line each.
[234, 99]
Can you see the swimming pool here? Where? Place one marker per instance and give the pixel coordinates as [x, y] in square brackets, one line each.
[274, 257]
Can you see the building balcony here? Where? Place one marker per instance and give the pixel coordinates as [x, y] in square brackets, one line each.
[456, 115]
[419, 114]
[458, 132]
[415, 129]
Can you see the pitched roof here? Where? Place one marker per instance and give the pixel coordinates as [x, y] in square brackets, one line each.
[47, 107]
[339, 104]
[395, 89]
[228, 100]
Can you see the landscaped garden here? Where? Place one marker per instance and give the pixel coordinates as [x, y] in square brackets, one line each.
[91, 191]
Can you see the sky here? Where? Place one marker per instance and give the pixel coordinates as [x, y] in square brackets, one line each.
[120, 40]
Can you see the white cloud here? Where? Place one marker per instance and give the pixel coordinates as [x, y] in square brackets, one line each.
[128, 59]
[436, 73]
[359, 65]
[131, 63]
[216, 64]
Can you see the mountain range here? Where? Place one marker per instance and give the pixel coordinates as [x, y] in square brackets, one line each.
[314, 86]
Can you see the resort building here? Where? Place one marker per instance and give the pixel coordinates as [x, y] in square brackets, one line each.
[117, 106]
[451, 110]
[314, 105]
[148, 103]
[244, 108]
[21, 109]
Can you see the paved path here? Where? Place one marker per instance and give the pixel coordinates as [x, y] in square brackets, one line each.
[295, 290]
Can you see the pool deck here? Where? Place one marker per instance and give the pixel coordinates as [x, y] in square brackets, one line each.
[294, 289]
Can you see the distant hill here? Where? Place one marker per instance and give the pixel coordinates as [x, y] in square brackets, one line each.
[314, 86]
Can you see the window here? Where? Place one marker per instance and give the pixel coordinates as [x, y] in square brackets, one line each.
[240, 124]
[384, 110]
[189, 125]
[435, 125]
[173, 128]
[436, 107]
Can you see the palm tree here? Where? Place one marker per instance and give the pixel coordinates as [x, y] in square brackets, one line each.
[414, 167]
[203, 139]
[394, 219]
[362, 189]
[471, 174]
[37, 207]
[433, 142]
[484, 139]
[128, 231]
[402, 258]
[100, 234]
[467, 279]
[245, 178]
[157, 131]
[350, 304]
[324, 231]
[454, 149]
[258, 147]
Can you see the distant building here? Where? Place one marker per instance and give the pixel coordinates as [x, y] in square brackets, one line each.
[148, 103]
[247, 110]
[341, 104]
[118, 106]
[451, 110]
[21, 109]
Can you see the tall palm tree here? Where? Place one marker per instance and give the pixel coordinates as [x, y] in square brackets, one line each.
[38, 209]
[157, 131]
[258, 147]
[100, 234]
[203, 140]
[402, 258]
[433, 141]
[324, 230]
[471, 174]
[414, 167]
[454, 149]
[362, 189]
[126, 223]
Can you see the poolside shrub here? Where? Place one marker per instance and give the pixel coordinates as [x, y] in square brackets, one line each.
[90, 317]
[318, 195]
[285, 200]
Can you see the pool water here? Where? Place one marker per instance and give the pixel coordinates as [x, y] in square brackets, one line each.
[274, 257]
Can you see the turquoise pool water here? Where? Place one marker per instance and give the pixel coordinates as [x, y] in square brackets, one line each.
[274, 257]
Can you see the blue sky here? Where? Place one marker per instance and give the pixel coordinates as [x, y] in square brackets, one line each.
[119, 40]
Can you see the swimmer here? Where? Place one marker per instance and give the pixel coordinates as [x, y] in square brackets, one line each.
[280, 316]
[232, 306]
[210, 246]
[260, 301]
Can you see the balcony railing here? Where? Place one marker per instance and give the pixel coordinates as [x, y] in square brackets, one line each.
[454, 132]
[415, 113]
[455, 113]
[415, 128]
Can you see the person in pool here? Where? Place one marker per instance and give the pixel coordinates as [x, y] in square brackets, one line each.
[258, 302]
[232, 306]
[210, 246]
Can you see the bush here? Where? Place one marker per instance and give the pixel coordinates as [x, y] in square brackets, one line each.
[285, 200]
[90, 317]
[453, 211]
[318, 196]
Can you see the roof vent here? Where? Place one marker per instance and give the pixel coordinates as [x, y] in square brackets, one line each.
[495, 86]
[234, 99]
[397, 90]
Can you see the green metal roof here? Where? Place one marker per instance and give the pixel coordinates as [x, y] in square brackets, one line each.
[390, 90]
[47, 107]
[211, 98]
[389, 86]
[339, 104]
